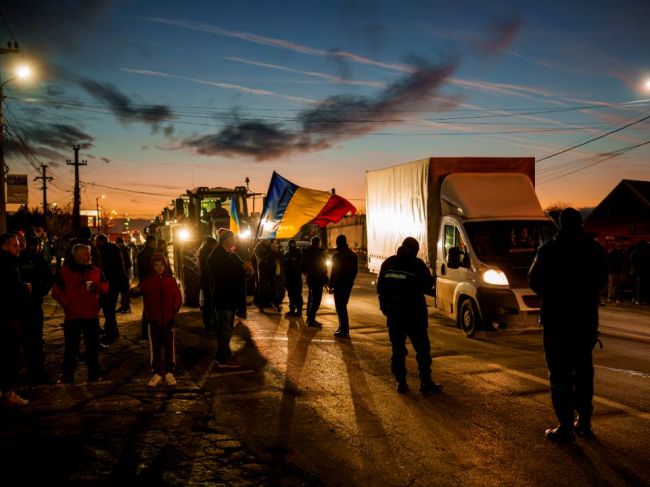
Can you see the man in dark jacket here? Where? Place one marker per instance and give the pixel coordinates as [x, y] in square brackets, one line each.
[228, 294]
[144, 270]
[403, 281]
[207, 310]
[344, 272]
[34, 270]
[568, 273]
[84, 237]
[615, 265]
[314, 267]
[14, 295]
[293, 278]
[116, 276]
[267, 289]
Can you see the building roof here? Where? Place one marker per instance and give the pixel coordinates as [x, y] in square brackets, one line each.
[630, 199]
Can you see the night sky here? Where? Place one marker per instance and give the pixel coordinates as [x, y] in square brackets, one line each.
[166, 95]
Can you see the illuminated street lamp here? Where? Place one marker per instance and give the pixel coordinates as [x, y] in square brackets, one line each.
[21, 73]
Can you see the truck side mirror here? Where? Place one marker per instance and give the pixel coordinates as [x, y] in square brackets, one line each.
[456, 258]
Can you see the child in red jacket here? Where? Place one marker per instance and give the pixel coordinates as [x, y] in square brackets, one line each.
[162, 300]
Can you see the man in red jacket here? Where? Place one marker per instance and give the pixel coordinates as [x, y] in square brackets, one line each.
[162, 300]
[77, 288]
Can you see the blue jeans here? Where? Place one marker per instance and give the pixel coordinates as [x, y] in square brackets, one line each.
[224, 321]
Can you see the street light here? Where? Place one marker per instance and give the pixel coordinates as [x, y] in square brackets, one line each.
[97, 207]
[22, 73]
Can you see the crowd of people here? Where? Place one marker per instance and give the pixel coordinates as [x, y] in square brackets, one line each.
[569, 273]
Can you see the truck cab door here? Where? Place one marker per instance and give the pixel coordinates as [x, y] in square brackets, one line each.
[447, 279]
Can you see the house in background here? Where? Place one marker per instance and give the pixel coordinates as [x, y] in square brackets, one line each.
[623, 216]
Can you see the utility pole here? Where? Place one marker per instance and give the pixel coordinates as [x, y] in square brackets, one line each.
[10, 49]
[76, 206]
[45, 179]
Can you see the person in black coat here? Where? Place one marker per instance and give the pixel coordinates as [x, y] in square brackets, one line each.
[344, 271]
[144, 269]
[293, 278]
[14, 302]
[314, 266]
[228, 285]
[116, 276]
[84, 237]
[34, 270]
[403, 281]
[568, 273]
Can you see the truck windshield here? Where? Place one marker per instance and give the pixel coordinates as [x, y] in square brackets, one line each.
[498, 241]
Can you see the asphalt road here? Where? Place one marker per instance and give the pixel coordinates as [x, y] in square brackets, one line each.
[329, 407]
[307, 409]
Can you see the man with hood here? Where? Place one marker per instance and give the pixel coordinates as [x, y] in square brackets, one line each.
[403, 281]
[568, 273]
[162, 300]
[344, 271]
[77, 288]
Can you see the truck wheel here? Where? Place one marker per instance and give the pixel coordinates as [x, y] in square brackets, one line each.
[468, 318]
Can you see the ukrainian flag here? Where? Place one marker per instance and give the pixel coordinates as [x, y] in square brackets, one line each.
[288, 207]
[234, 219]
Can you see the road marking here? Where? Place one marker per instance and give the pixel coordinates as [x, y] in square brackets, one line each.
[600, 400]
[634, 373]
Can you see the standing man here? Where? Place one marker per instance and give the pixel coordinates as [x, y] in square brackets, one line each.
[228, 276]
[293, 278]
[314, 267]
[344, 271]
[403, 281]
[207, 310]
[144, 270]
[568, 273]
[77, 288]
[14, 296]
[116, 276]
[640, 270]
[125, 297]
[34, 270]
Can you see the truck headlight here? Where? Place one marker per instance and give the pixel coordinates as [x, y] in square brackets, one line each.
[495, 276]
[328, 263]
[183, 234]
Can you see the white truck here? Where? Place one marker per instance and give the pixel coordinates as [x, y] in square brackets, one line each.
[478, 222]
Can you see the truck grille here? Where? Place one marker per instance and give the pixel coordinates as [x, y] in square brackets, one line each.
[532, 300]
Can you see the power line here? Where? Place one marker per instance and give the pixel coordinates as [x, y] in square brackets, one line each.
[593, 139]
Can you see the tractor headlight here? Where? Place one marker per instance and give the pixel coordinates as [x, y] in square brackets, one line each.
[183, 234]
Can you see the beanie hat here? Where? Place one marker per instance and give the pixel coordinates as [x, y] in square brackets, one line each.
[410, 242]
[224, 234]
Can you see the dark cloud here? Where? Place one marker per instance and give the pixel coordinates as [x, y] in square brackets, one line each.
[48, 141]
[501, 34]
[105, 159]
[122, 106]
[336, 118]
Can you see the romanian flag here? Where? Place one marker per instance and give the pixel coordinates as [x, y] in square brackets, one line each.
[288, 207]
[234, 219]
